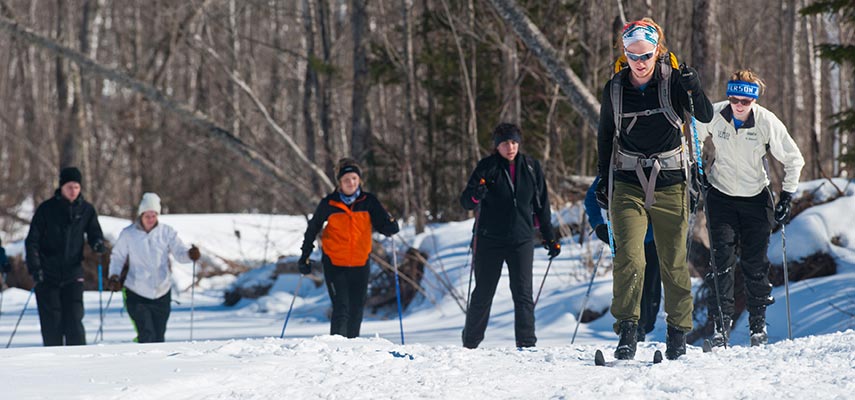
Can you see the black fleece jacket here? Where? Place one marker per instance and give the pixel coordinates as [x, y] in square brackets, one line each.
[508, 211]
[55, 241]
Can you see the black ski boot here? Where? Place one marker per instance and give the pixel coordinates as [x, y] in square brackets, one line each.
[628, 341]
[640, 335]
[721, 337]
[757, 324]
[675, 343]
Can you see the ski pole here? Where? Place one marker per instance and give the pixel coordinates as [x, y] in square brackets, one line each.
[473, 250]
[542, 282]
[20, 317]
[587, 295]
[786, 280]
[398, 289]
[3, 282]
[192, 300]
[101, 328]
[100, 299]
[704, 193]
[288, 316]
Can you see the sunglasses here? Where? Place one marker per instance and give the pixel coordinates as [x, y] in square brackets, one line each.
[640, 57]
[744, 102]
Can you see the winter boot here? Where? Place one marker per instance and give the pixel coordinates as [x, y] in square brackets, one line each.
[640, 335]
[757, 324]
[628, 340]
[721, 337]
[675, 343]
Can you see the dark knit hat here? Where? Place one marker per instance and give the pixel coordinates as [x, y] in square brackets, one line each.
[70, 174]
[347, 165]
[506, 131]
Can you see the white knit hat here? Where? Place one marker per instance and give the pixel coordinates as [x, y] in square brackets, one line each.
[150, 202]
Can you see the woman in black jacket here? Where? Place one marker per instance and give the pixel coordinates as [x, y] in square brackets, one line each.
[509, 192]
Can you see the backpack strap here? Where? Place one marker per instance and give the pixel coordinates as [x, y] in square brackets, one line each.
[665, 70]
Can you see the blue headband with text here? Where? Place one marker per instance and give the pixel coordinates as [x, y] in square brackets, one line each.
[742, 88]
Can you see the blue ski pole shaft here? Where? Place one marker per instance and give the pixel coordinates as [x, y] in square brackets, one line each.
[398, 289]
[786, 280]
[100, 299]
[20, 317]
[288, 316]
[192, 300]
[587, 296]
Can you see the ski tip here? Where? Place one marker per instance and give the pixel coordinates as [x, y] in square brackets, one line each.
[657, 357]
[707, 346]
[599, 359]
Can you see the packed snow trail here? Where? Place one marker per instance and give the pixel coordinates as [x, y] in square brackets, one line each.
[821, 367]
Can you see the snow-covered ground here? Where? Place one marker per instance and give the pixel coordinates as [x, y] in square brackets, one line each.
[237, 352]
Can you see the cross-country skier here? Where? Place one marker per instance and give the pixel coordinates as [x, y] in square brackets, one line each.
[145, 246]
[510, 189]
[739, 200]
[643, 166]
[54, 259]
[350, 215]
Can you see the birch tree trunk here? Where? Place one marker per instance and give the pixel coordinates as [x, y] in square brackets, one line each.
[580, 97]
[411, 148]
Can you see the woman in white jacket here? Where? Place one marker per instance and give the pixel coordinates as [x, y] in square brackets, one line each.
[145, 246]
[739, 201]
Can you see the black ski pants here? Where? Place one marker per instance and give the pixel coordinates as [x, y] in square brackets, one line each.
[489, 257]
[348, 289]
[740, 228]
[149, 315]
[651, 292]
[61, 313]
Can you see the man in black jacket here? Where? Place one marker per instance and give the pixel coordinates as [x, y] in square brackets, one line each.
[54, 259]
[510, 190]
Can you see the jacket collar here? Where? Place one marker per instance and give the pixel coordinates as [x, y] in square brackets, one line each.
[727, 113]
[77, 201]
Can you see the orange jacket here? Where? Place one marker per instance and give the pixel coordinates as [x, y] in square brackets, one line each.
[346, 238]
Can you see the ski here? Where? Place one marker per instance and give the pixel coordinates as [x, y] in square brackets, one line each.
[600, 359]
[707, 346]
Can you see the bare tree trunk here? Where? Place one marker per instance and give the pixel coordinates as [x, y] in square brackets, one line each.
[815, 65]
[510, 80]
[580, 97]
[360, 136]
[832, 36]
[324, 87]
[706, 42]
[309, 84]
[412, 160]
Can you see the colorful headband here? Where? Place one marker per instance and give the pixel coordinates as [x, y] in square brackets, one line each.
[742, 88]
[640, 31]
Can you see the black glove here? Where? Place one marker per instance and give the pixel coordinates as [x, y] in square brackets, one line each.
[194, 253]
[782, 210]
[304, 265]
[98, 247]
[602, 231]
[114, 284]
[480, 190]
[689, 79]
[38, 277]
[553, 248]
[601, 191]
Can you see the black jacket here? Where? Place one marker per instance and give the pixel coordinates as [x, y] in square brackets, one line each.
[508, 211]
[55, 241]
[651, 134]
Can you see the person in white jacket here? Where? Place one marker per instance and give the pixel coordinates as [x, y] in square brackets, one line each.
[145, 247]
[739, 201]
